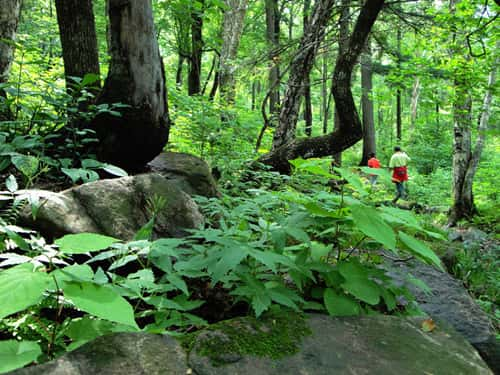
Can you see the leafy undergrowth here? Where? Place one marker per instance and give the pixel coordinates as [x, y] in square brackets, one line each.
[298, 246]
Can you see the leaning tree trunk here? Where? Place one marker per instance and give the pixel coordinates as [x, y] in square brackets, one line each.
[136, 78]
[300, 67]
[234, 17]
[350, 130]
[308, 116]
[9, 18]
[78, 39]
[369, 141]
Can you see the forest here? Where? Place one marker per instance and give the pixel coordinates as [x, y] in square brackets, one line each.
[286, 101]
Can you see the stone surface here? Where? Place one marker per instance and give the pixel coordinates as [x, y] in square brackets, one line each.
[361, 345]
[188, 172]
[374, 345]
[118, 354]
[117, 208]
[449, 301]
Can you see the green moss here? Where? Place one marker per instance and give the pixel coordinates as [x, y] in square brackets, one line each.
[275, 335]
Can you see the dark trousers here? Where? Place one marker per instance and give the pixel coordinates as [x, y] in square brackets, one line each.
[400, 191]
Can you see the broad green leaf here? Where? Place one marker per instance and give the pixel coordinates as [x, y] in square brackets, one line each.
[146, 231]
[358, 284]
[100, 301]
[20, 288]
[15, 354]
[420, 250]
[76, 272]
[319, 250]
[84, 242]
[340, 305]
[26, 164]
[368, 221]
[229, 259]
[260, 302]
[178, 282]
[89, 78]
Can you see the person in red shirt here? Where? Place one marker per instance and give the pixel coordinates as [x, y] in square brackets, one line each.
[373, 162]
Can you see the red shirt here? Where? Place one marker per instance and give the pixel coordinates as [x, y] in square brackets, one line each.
[373, 163]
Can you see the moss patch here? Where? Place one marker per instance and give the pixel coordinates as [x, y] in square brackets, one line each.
[274, 335]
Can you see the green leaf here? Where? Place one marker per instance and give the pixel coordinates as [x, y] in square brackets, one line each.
[11, 184]
[26, 164]
[368, 221]
[114, 170]
[20, 288]
[146, 231]
[84, 242]
[230, 258]
[260, 303]
[357, 282]
[15, 354]
[76, 272]
[178, 282]
[420, 250]
[100, 301]
[319, 250]
[339, 305]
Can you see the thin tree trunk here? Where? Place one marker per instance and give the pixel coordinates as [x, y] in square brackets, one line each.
[233, 22]
[210, 72]
[415, 94]
[194, 77]
[369, 140]
[136, 77]
[308, 117]
[273, 42]
[78, 40]
[398, 91]
[350, 130]
[178, 73]
[9, 19]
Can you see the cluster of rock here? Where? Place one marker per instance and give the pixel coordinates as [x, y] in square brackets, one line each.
[355, 345]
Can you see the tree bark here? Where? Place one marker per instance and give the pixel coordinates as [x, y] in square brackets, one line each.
[273, 42]
[9, 19]
[300, 67]
[308, 117]
[466, 161]
[234, 17]
[398, 90]
[78, 39]
[136, 78]
[350, 130]
[369, 138]
[415, 93]
[194, 77]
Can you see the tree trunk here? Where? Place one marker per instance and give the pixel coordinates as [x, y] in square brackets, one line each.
[178, 73]
[398, 91]
[300, 67]
[369, 140]
[325, 96]
[273, 42]
[466, 161]
[78, 39]
[194, 78]
[415, 93]
[308, 118]
[345, 13]
[9, 19]
[136, 78]
[350, 130]
[234, 17]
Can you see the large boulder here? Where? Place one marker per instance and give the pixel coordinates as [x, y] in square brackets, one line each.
[321, 345]
[188, 172]
[117, 208]
[449, 301]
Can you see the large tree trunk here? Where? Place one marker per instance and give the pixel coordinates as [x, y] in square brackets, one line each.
[78, 39]
[9, 18]
[234, 16]
[194, 77]
[300, 67]
[369, 141]
[136, 78]
[273, 42]
[350, 130]
[466, 161]
[308, 117]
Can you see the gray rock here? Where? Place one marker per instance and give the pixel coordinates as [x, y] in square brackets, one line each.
[118, 354]
[372, 345]
[117, 208]
[188, 172]
[449, 301]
